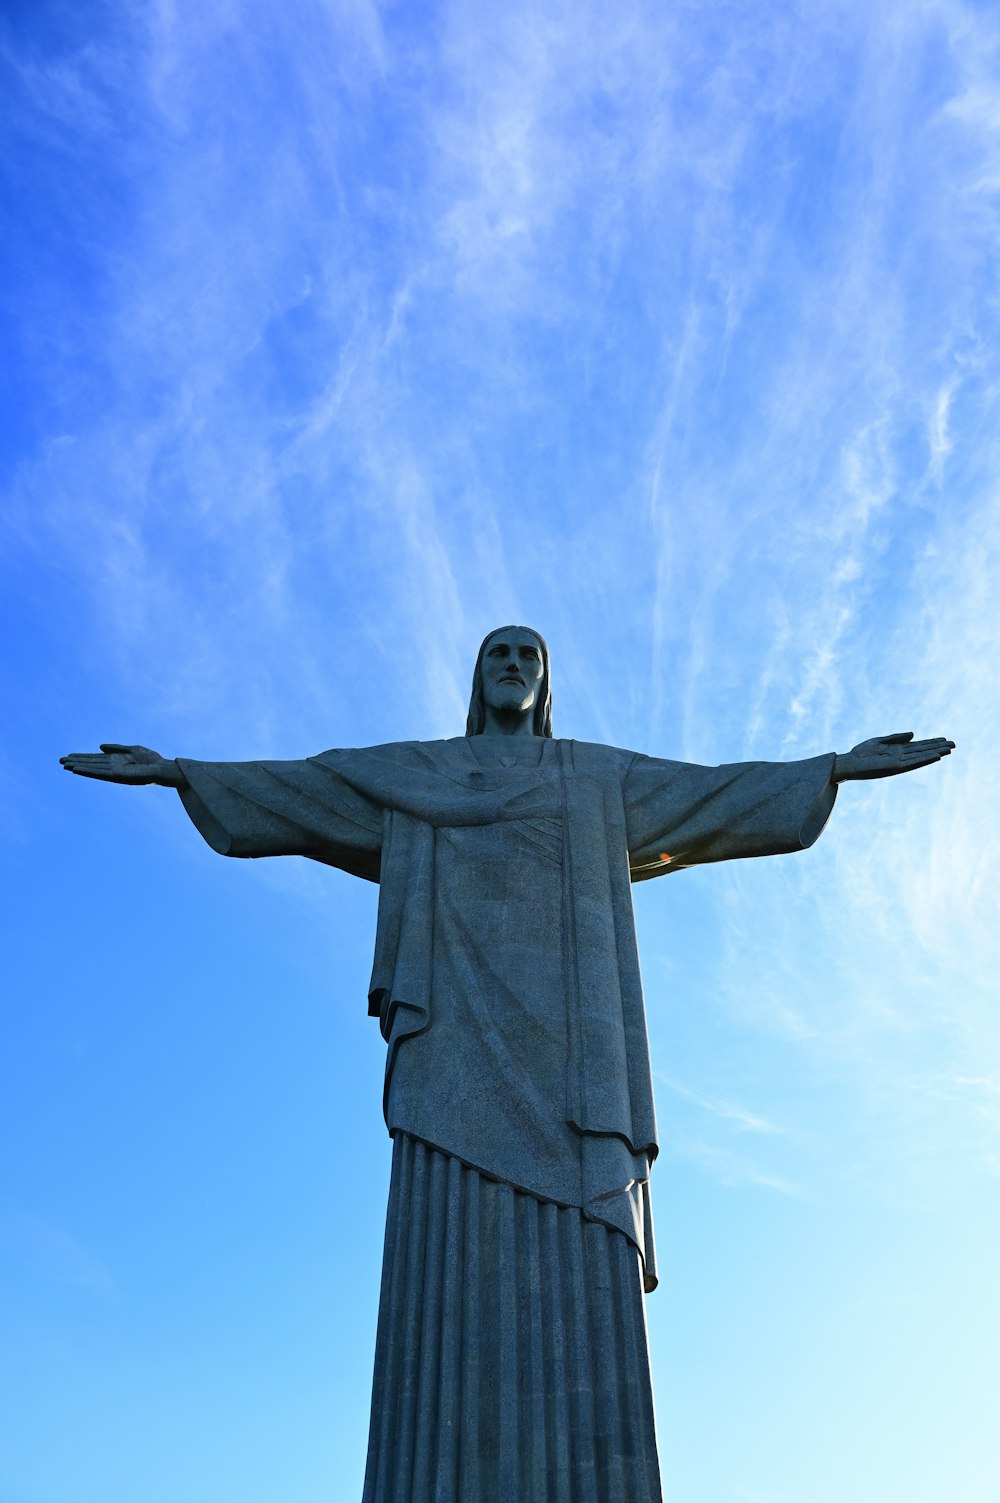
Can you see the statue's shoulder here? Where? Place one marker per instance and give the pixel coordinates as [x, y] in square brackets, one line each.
[600, 748]
[398, 753]
[595, 756]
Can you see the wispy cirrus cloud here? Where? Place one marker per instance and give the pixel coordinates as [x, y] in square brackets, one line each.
[52, 1252]
[620, 324]
[731, 1169]
[730, 1112]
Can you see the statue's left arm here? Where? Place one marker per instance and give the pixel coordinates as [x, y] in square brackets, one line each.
[679, 814]
[886, 756]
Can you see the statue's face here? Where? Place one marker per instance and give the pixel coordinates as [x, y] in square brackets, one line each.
[512, 671]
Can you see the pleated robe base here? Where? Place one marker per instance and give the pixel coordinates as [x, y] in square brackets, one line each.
[511, 1363]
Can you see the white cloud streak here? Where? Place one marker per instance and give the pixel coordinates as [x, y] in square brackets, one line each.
[729, 1111]
[52, 1252]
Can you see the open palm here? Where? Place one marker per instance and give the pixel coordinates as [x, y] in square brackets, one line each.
[124, 764]
[886, 756]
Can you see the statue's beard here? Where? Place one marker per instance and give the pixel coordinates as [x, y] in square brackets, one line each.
[512, 697]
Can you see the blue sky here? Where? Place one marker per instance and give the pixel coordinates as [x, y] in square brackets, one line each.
[336, 334]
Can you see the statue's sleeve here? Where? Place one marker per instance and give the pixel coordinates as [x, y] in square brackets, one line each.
[679, 814]
[283, 809]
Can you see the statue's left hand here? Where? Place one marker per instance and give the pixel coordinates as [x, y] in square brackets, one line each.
[885, 756]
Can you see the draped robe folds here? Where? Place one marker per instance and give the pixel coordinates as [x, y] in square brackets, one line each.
[506, 976]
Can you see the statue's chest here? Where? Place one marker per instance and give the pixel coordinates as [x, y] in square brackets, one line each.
[498, 887]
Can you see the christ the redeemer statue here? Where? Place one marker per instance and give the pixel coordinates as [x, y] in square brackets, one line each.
[511, 1362]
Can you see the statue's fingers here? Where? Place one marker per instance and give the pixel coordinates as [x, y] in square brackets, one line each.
[922, 759]
[898, 738]
[111, 747]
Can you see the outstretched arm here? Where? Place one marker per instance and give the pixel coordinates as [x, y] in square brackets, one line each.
[125, 764]
[885, 756]
[285, 808]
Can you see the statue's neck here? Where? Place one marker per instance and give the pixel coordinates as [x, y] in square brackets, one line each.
[512, 723]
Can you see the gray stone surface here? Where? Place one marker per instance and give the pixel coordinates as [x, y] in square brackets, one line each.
[506, 985]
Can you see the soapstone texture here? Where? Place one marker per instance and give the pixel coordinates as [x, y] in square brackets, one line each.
[506, 975]
[511, 1360]
[506, 984]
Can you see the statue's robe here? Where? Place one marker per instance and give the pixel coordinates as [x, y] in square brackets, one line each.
[518, 1087]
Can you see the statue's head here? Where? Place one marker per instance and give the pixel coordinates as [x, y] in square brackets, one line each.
[512, 674]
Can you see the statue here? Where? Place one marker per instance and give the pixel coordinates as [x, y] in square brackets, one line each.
[511, 1358]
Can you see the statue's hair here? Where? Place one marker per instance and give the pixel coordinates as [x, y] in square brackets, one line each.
[543, 703]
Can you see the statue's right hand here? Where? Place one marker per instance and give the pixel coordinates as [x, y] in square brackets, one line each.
[125, 764]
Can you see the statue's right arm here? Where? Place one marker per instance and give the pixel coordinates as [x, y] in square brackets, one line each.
[125, 764]
[303, 807]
